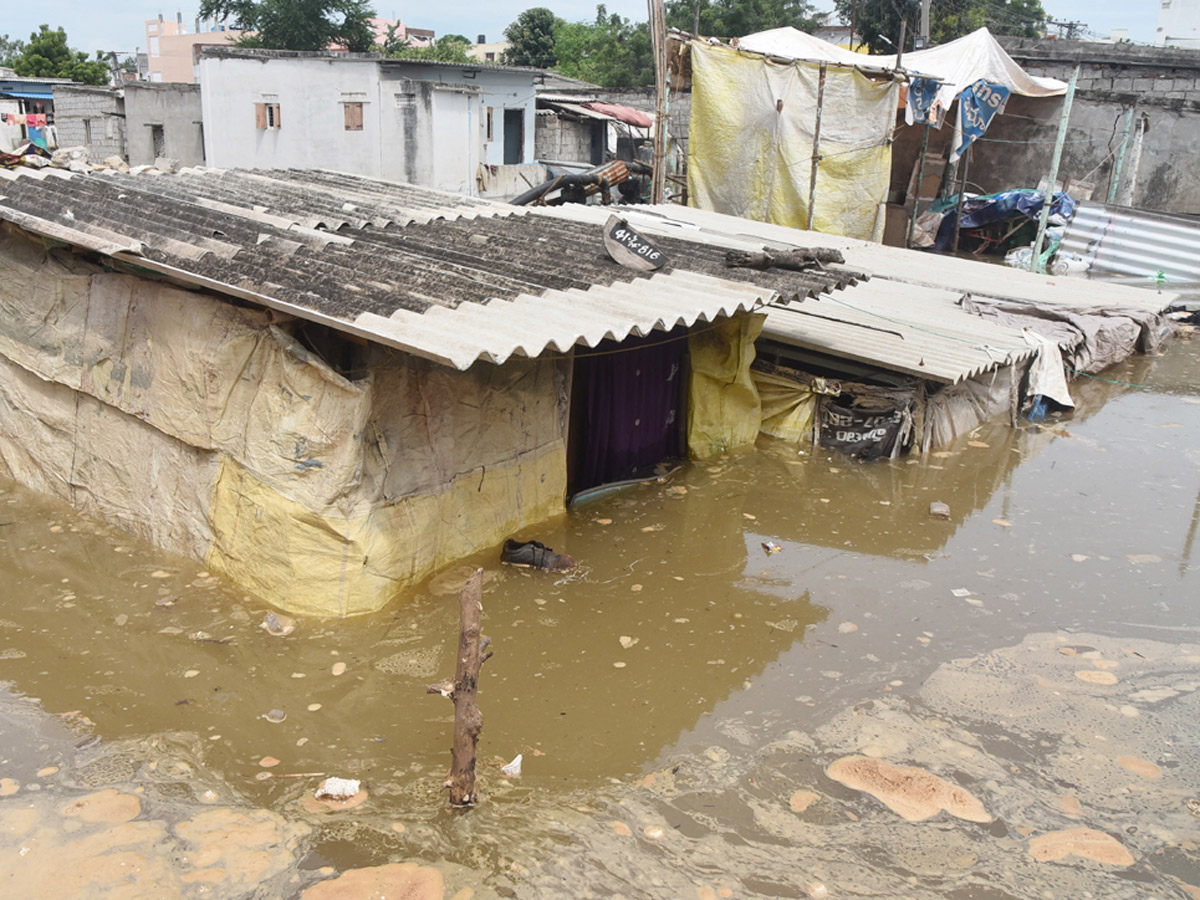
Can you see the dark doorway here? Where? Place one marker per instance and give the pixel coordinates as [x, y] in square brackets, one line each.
[514, 136]
[158, 139]
[627, 409]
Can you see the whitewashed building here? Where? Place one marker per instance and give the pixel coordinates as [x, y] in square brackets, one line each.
[1178, 24]
[426, 123]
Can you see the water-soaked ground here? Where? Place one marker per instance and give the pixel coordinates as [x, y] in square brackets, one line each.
[678, 700]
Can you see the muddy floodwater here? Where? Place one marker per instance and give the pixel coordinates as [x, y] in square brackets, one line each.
[773, 675]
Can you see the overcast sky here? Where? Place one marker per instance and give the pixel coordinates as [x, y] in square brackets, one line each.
[119, 24]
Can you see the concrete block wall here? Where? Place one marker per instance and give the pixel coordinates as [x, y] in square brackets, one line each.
[1159, 84]
[92, 118]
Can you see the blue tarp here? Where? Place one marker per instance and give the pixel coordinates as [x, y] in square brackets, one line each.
[979, 211]
[27, 95]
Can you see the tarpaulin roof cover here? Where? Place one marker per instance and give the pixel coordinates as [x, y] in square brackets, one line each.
[751, 145]
[957, 64]
[626, 114]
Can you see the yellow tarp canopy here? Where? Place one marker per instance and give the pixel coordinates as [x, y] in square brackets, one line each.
[750, 142]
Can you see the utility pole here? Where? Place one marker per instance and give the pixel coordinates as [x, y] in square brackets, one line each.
[925, 4]
[1035, 261]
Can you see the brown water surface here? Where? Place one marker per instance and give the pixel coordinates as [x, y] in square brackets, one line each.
[676, 699]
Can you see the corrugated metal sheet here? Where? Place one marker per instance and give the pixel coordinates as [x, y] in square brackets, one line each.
[450, 288]
[1121, 243]
[558, 320]
[920, 332]
[983, 280]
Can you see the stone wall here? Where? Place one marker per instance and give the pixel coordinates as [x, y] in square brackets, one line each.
[92, 117]
[1162, 88]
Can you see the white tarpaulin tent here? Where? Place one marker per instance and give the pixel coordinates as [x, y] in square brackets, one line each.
[957, 64]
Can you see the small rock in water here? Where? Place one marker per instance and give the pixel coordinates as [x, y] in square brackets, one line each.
[939, 510]
[278, 626]
[275, 716]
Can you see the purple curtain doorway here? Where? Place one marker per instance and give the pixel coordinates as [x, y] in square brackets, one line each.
[627, 408]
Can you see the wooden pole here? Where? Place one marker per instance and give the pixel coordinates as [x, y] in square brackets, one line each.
[962, 189]
[816, 154]
[468, 720]
[912, 222]
[658, 42]
[1035, 261]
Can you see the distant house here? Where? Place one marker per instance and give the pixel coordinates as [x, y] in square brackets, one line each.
[487, 52]
[433, 124]
[92, 117]
[22, 98]
[171, 50]
[163, 120]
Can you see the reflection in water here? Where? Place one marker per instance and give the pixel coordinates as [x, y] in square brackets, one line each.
[671, 697]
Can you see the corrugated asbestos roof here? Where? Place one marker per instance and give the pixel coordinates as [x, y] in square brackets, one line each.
[443, 276]
[914, 267]
[883, 323]
[1135, 244]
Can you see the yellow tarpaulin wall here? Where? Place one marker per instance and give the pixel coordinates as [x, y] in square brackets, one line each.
[723, 408]
[788, 407]
[750, 142]
[210, 431]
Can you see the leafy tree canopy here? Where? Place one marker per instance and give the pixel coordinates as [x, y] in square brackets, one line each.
[10, 49]
[878, 21]
[48, 56]
[531, 39]
[611, 51]
[447, 48]
[298, 24]
[736, 18]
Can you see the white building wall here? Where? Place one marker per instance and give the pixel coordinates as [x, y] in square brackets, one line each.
[1178, 24]
[422, 124]
[311, 131]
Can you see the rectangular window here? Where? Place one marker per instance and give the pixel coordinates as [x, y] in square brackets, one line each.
[266, 116]
[490, 57]
[87, 131]
[490, 129]
[352, 115]
[154, 46]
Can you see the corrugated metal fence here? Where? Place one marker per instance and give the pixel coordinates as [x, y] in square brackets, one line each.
[1134, 245]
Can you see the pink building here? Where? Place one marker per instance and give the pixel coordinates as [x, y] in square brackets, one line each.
[171, 50]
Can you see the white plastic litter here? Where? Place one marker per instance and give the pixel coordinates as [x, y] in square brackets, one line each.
[513, 769]
[337, 789]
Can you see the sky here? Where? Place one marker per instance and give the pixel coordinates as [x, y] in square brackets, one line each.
[119, 24]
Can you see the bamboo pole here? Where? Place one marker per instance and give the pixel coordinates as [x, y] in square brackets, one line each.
[1035, 261]
[658, 41]
[962, 190]
[912, 222]
[816, 154]
[468, 720]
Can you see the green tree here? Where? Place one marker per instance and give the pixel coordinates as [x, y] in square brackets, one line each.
[611, 51]
[48, 56]
[531, 39]
[10, 49]
[447, 48]
[877, 22]
[737, 18]
[298, 24]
